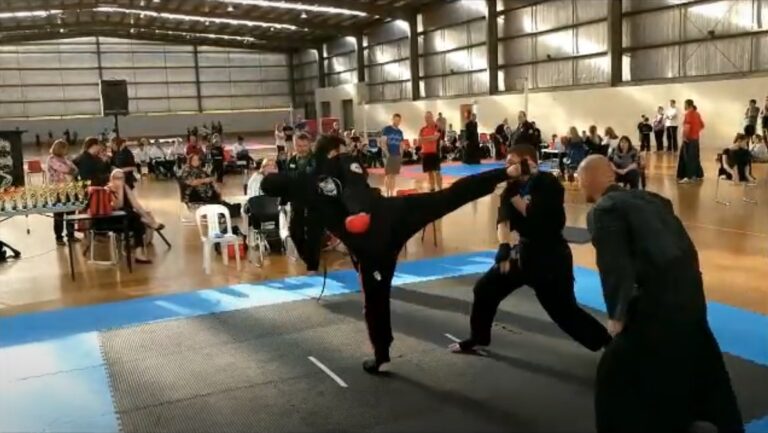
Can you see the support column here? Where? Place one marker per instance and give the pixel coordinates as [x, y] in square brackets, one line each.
[492, 44]
[320, 67]
[197, 79]
[360, 58]
[291, 79]
[615, 42]
[413, 51]
[98, 58]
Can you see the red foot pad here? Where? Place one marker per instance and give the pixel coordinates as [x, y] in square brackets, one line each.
[357, 224]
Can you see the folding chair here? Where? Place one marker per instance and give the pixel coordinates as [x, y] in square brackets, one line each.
[264, 226]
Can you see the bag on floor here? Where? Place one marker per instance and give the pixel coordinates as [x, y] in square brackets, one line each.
[99, 201]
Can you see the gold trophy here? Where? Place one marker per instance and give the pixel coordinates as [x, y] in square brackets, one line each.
[31, 198]
[4, 200]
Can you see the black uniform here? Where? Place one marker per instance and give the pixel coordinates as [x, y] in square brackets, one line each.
[217, 162]
[305, 228]
[544, 263]
[340, 189]
[665, 369]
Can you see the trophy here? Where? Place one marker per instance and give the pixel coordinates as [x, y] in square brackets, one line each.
[4, 207]
[48, 194]
[31, 195]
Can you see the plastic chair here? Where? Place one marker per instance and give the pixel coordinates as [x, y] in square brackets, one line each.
[214, 234]
[34, 166]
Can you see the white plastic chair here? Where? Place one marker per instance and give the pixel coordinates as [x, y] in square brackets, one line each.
[213, 236]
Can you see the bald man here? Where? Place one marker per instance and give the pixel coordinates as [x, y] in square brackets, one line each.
[664, 371]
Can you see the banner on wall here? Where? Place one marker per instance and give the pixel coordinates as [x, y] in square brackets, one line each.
[11, 159]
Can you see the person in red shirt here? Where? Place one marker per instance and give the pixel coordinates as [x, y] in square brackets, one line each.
[193, 148]
[689, 163]
[429, 136]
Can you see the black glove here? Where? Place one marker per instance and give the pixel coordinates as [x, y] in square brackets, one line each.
[504, 253]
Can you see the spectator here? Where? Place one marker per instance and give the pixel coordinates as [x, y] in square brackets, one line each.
[671, 119]
[392, 138]
[501, 139]
[451, 136]
[160, 162]
[335, 129]
[594, 141]
[524, 133]
[750, 119]
[765, 118]
[626, 163]
[689, 163]
[575, 152]
[193, 147]
[429, 137]
[610, 141]
[199, 185]
[124, 199]
[759, 150]
[123, 158]
[441, 125]
[61, 171]
[658, 129]
[267, 166]
[280, 139]
[288, 132]
[91, 165]
[472, 137]
[736, 161]
[216, 155]
[241, 152]
[644, 128]
[142, 155]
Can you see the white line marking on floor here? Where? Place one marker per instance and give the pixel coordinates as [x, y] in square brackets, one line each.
[328, 372]
[456, 340]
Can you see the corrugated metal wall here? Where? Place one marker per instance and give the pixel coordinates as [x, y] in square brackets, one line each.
[305, 80]
[387, 57]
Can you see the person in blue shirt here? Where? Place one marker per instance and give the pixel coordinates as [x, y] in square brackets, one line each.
[392, 137]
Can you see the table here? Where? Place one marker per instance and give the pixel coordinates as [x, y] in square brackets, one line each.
[44, 211]
[71, 219]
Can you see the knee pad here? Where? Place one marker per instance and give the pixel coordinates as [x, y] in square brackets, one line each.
[358, 223]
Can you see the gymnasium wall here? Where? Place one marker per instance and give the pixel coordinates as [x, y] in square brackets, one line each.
[721, 103]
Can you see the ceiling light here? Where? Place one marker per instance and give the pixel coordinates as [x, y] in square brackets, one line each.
[143, 3]
[209, 36]
[296, 6]
[182, 17]
[30, 14]
[230, 8]
[303, 15]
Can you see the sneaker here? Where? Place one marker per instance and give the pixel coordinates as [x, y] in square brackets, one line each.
[61, 243]
[684, 181]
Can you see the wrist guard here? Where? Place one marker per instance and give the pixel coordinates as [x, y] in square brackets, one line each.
[504, 253]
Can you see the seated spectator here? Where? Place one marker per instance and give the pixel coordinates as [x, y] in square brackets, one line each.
[758, 149]
[241, 152]
[736, 161]
[374, 156]
[626, 163]
[200, 186]
[554, 142]
[160, 163]
[575, 152]
[141, 155]
[451, 136]
[610, 141]
[139, 219]
[267, 166]
[594, 142]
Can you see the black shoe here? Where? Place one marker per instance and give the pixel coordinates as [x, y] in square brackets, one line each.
[61, 243]
[371, 366]
[73, 239]
[466, 346]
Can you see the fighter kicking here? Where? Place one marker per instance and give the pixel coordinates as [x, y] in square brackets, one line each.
[532, 205]
[373, 228]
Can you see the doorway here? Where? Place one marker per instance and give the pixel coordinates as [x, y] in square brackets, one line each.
[325, 109]
[348, 113]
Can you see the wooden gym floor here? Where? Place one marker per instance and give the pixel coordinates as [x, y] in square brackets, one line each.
[732, 243]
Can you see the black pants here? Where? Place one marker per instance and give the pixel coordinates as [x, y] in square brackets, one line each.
[550, 275]
[307, 235]
[630, 178]
[659, 136]
[660, 376]
[394, 220]
[645, 142]
[58, 226]
[672, 138]
[218, 170]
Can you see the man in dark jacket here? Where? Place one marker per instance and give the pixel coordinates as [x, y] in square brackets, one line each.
[664, 371]
[472, 149]
[374, 228]
[532, 205]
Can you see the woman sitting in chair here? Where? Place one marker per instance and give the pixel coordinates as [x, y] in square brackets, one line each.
[736, 161]
[626, 163]
[199, 185]
[267, 166]
[139, 218]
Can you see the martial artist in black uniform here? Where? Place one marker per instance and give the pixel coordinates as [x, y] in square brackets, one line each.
[306, 230]
[373, 228]
[532, 205]
[664, 370]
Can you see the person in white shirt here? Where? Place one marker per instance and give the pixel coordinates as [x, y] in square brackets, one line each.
[156, 151]
[241, 152]
[253, 188]
[671, 122]
[611, 140]
[141, 155]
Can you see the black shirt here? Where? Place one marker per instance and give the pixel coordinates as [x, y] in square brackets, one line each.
[217, 154]
[545, 214]
[644, 128]
[93, 169]
[124, 159]
[470, 132]
[524, 134]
